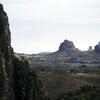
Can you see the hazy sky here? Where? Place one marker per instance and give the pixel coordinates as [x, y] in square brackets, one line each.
[41, 25]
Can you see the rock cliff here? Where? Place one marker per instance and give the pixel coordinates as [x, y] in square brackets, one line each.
[6, 65]
[17, 80]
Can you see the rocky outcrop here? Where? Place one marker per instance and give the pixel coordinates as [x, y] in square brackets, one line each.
[90, 49]
[17, 80]
[97, 48]
[66, 45]
[68, 53]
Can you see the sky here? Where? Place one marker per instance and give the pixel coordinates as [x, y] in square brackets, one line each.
[41, 25]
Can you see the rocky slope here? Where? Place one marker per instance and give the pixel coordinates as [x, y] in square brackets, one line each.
[17, 80]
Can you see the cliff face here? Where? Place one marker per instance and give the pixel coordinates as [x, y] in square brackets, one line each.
[6, 79]
[17, 80]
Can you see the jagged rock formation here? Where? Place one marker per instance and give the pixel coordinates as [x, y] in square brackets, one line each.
[17, 80]
[97, 48]
[90, 49]
[66, 45]
[67, 53]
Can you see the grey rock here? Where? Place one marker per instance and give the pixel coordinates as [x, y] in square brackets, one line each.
[66, 45]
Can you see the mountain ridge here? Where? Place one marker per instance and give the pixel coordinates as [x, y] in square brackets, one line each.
[66, 54]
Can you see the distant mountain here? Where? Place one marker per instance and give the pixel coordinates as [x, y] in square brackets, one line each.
[68, 53]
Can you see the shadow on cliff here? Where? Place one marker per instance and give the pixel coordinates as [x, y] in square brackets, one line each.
[17, 80]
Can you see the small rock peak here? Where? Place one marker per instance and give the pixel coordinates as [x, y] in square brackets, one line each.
[90, 49]
[66, 45]
[66, 40]
[97, 48]
[1, 7]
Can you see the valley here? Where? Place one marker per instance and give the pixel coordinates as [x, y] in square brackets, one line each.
[66, 72]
